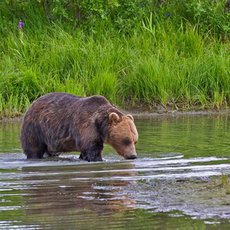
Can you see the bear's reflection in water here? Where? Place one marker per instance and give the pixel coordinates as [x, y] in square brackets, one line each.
[77, 192]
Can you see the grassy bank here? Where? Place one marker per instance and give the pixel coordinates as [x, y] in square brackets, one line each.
[162, 62]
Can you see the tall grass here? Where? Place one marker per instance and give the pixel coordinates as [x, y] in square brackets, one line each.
[157, 64]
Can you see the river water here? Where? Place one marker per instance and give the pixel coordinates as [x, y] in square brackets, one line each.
[181, 180]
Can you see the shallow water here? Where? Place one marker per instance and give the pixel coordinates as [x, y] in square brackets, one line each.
[178, 181]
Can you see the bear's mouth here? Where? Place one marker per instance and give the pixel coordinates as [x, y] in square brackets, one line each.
[131, 157]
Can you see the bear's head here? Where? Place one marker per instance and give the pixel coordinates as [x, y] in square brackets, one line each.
[122, 135]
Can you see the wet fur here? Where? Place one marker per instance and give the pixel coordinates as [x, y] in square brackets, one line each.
[60, 122]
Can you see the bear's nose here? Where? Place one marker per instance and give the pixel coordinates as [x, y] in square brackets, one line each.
[131, 157]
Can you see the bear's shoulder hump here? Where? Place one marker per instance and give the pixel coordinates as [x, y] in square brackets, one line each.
[98, 99]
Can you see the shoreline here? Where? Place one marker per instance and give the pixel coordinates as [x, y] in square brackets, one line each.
[176, 113]
[148, 115]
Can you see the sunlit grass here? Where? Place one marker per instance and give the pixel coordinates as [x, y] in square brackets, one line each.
[13, 106]
[159, 64]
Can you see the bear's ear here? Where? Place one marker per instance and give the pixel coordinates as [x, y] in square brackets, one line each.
[113, 117]
[130, 116]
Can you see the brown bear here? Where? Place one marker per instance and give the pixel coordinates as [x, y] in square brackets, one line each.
[61, 122]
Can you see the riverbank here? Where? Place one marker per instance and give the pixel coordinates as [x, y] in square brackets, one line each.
[137, 114]
[163, 61]
[174, 113]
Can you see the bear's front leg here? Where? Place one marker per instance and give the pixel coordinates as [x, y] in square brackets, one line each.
[91, 155]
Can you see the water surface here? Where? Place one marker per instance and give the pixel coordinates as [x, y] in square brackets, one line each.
[178, 181]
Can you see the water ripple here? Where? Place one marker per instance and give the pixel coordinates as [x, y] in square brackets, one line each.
[80, 192]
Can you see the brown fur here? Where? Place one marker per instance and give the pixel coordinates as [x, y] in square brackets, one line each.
[61, 122]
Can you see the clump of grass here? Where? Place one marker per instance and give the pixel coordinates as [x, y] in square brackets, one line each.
[13, 106]
[179, 66]
[225, 183]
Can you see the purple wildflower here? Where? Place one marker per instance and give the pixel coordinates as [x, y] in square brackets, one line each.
[168, 15]
[20, 24]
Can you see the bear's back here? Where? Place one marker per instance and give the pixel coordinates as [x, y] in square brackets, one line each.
[64, 104]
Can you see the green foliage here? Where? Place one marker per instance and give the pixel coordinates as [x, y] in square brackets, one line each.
[209, 15]
[121, 15]
[138, 52]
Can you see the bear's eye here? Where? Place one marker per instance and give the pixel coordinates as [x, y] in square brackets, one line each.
[126, 141]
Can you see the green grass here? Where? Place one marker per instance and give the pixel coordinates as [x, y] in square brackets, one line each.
[225, 183]
[157, 64]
